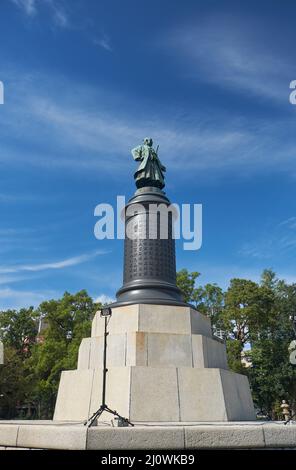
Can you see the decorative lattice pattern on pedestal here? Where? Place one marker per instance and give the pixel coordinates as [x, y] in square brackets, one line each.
[147, 256]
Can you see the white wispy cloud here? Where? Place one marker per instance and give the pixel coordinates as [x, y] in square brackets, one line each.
[104, 42]
[13, 197]
[104, 299]
[273, 242]
[32, 8]
[75, 260]
[259, 249]
[103, 131]
[7, 198]
[220, 49]
[60, 17]
[290, 223]
[8, 231]
[100, 133]
[28, 6]
[62, 114]
[8, 279]
[221, 273]
[15, 299]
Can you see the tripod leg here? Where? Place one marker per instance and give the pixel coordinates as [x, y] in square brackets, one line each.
[113, 412]
[290, 419]
[97, 414]
[103, 406]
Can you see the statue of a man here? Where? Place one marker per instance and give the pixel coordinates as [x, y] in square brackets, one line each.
[150, 171]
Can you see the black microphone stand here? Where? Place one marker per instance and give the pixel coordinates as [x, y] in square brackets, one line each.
[106, 313]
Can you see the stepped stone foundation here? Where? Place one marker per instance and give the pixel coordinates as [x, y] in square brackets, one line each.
[164, 365]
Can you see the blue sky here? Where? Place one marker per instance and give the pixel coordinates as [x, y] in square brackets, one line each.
[86, 80]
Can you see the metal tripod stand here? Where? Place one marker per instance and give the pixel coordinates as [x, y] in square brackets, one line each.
[106, 313]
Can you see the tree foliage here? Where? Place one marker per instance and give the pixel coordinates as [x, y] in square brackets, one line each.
[186, 282]
[272, 377]
[64, 323]
[255, 319]
[18, 329]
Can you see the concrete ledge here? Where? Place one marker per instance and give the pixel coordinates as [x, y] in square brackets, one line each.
[223, 437]
[52, 437]
[247, 435]
[135, 438]
[280, 436]
[17, 448]
[8, 434]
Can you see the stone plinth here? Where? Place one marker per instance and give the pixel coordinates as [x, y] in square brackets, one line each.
[154, 350]
[163, 366]
[153, 319]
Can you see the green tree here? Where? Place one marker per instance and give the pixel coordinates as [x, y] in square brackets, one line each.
[13, 387]
[208, 299]
[67, 321]
[211, 303]
[186, 283]
[248, 309]
[234, 356]
[272, 377]
[18, 329]
[269, 279]
[247, 312]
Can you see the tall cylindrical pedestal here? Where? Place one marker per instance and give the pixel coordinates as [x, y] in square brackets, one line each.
[149, 273]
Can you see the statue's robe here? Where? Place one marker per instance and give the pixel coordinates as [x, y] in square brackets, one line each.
[150, 171]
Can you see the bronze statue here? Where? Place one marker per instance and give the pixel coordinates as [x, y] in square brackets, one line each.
[150, 171]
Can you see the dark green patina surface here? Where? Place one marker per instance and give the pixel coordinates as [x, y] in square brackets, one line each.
[150, 171]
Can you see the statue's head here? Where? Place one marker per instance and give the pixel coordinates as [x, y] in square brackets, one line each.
[148, 141]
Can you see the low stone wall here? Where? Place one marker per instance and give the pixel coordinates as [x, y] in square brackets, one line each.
[75, 436]
[17, 448]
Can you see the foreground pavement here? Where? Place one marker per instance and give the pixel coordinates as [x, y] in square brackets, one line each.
[76, 436]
